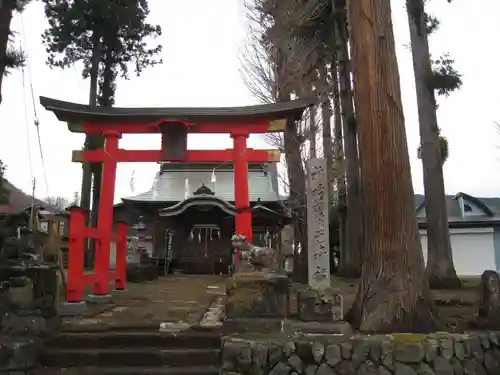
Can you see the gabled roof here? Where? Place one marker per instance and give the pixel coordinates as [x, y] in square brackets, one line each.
[488, 209]
[204, 197]
[170, 183]
[74, 112]
[19, 201]
[228, 208]
[478, 202]
[198, 201]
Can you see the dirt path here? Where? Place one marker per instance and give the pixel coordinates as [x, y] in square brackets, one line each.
[184, 299]
[168, 299]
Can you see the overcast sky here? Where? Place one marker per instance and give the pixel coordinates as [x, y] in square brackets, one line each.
[202, 42]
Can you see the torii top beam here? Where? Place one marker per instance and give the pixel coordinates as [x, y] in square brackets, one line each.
[262, 118]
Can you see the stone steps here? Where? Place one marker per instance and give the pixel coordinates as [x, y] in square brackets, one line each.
[133, 370]
[89, 340]
[124, 352]
[130, 356]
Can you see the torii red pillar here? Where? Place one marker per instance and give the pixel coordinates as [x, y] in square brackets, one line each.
[243, 219]
[105, 219]
[75, 281]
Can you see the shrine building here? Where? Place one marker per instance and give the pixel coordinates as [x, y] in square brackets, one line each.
[188, 215]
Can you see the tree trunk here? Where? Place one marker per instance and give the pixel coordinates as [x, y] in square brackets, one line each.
[96, 193]
[90, 140]
[87, 171]
[105, 99]
[297, 196]
[6, 11]
[393, 295]
[351, 267]
[295, 169]
[338, 153]
[440, 269]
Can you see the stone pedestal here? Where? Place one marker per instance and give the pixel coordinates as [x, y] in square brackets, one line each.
[46, 294]
[99, 299]
[29, 323]
[32, 309]
[140, 268]
[28, 313]
[257, 295]
[73, 308]
[314, 306]
[18, 356]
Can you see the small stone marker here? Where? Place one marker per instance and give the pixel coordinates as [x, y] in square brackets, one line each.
[133, 258]
[215, 313]
[319, 306]
[317, 225]
[173, 327]
[140, 267]
[489, 301]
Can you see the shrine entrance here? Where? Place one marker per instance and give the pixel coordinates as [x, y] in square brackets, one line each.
[206, 245]
[174, 125]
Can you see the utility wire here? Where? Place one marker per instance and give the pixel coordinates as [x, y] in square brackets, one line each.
[26, 123]
[35, 114]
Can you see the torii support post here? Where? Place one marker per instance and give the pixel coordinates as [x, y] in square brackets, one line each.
[105, 220]
[75, 280]
[243, 220]
[121, 256]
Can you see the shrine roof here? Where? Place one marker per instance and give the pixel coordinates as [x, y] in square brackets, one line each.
[204, 197]
[170, 183]
[74, 112]
[210, 200]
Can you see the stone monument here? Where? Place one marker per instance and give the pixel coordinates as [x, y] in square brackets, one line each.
[318, 245]
[316, 302]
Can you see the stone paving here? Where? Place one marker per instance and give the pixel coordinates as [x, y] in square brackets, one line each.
[179, 300]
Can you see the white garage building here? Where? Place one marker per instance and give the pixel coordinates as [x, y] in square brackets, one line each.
[474, 232]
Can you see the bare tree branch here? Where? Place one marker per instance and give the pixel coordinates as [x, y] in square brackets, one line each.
[59, 202]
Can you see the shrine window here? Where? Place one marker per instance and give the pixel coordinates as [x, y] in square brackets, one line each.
[471, 209]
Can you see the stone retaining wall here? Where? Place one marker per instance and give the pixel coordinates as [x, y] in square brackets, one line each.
[28, 314]
[399, 354]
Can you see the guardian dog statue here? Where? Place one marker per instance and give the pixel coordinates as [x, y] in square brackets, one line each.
[258, 258]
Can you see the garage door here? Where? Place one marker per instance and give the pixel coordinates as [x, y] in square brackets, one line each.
[473, 250]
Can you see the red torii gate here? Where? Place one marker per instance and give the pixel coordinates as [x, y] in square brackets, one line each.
[174, 125]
